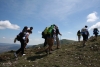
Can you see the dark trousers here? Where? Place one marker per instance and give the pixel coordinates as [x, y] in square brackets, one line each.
[45, 41]
[22, 47]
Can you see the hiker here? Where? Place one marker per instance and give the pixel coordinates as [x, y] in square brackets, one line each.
[17, 38]
[57, 37]
[85, 35]
[23, 41]
[95, 32]
[50, 39]
[79, 35]
[31, 28]
[44, 35]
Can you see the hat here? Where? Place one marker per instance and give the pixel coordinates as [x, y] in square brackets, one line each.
[31, 28]
[86, 26]
[25, 27]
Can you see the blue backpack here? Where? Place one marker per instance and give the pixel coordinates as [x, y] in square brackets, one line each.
[95, 31]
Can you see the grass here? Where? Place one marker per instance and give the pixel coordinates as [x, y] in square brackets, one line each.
[72, 55]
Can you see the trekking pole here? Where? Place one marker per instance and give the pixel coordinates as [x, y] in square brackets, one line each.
[60, 40]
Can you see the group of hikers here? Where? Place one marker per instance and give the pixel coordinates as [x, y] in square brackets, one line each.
[85, 34]
[49, 34]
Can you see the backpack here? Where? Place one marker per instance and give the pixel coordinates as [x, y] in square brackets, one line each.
[84, 31]
[19, 36]
[78, 33]
[95, 31]
[44, 32]
[50, 29]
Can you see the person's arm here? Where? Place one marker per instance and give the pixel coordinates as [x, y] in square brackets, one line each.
[59, 32]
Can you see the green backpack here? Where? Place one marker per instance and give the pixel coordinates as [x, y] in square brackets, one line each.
[50, 29]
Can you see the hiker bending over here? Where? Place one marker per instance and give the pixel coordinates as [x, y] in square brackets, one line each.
[23, 40]
[79, 35]
[50, 39]
[96, 32]
[85, 34]
[44, 35]
[17, 38]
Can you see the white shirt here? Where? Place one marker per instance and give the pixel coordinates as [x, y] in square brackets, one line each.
[26, 34]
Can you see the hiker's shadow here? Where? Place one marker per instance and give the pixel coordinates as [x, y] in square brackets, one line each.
[40, 52]
[33, 58]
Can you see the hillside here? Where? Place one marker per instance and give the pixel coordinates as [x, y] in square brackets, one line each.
[71, 55]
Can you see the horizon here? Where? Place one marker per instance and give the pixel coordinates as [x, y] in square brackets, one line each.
[27, 44]
[69, 15]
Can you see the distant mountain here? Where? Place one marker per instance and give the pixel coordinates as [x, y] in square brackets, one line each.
[66, 41]
[62, 42]
[7, 47]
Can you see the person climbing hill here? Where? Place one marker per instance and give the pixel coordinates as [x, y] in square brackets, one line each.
[57, 37]
[23, 40]
[79, 35]
[44, 35]
[50, 39]
[85, 34]
[96, 32]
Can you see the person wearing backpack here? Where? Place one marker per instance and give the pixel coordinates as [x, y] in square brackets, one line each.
[23, 40]
[85, 34]
[17, 38]
[50, 39]
[44, 35]
[57, 37]
[79, 35]
[95, 32]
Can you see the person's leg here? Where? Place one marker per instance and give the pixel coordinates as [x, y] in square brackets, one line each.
[96, 36]
[22, 47]
[25, 45]
[84, 39]
[45, 42]
[78, 38]
[48, 42]
[51, 40]
[57, 40]
[19, 48]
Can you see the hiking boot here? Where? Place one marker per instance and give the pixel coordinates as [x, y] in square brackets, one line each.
[24, 54]
[15, 54]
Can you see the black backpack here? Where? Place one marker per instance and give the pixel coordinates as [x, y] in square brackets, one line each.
[43, 35]
[19, 36]
[95, 31]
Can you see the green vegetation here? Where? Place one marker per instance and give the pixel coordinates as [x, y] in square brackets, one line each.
[71, 55]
